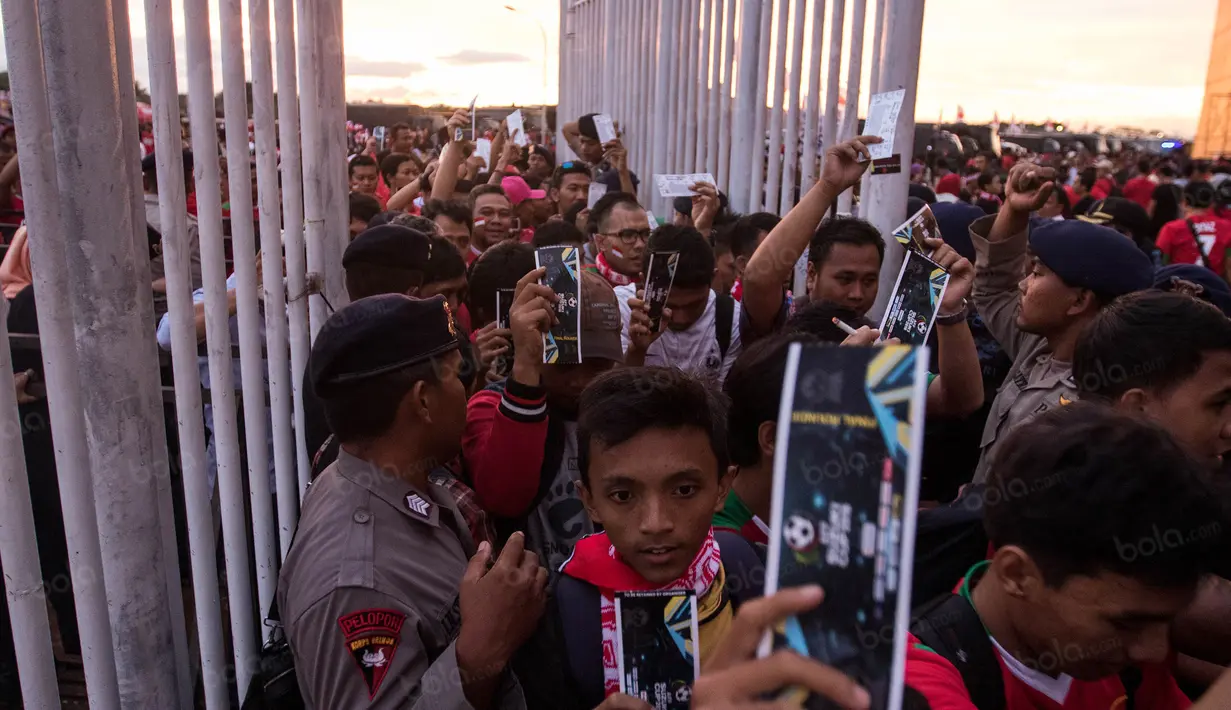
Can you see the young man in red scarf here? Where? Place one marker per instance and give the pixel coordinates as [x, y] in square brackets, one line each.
[652, 454]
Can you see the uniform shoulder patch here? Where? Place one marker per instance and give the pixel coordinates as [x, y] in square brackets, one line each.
[372, 637]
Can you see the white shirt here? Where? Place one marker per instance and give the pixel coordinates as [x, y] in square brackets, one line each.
[694, 350]
[1055, 688]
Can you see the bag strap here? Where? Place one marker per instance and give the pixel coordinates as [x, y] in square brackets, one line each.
[1192, 229]
[724, 314]
[951, 627]
[742, 566]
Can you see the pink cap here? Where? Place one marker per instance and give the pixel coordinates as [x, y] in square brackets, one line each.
[516, 189]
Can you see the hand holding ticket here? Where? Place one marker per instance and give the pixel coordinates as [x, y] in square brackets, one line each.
[681, 185]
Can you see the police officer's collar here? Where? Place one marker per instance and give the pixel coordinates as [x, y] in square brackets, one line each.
[416, 504]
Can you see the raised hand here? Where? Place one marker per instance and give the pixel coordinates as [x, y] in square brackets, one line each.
[842, 168]
[1028, 187]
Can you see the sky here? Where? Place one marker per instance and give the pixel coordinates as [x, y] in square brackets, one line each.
[1087, 62]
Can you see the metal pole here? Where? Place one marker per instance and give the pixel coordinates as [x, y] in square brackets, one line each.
[662, 89]
[543, 129]
[887, 196]
[878, 41]
[743, 139]
[774, 163]
[673, 49]
[704, 92]
[273, 294]
[151, 393]
[689, 75]
[331, 93]
[610, 45]
[649, 42]
[725, 102]
[791, 152]
[563, 80]
[292, 225]
[808, 153]
[243, 249]
[829, 129]
[714, 72]
[235, 537]
[36, 664]
[168, 144]
[850, 117]
[32, 118]
[122, 436]
[756, 195]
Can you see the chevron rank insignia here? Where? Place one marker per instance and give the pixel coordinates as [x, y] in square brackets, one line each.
[418, 505]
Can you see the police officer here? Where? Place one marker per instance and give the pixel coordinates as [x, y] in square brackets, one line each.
[380, 606]
[1037, 304]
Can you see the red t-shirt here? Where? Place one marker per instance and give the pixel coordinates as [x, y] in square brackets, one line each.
[938, 681]
[1176, 242]
[1139, 190]
[1102, 189]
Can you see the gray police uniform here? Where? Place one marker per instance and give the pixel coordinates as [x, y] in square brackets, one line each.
[369, 593]
[1037, 381]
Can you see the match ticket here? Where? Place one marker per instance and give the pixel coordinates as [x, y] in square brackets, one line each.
[680, 185]
[562, 344]
[916, 298]
[882, 121]
[605, 127]
[658, 279]
[597, 190]
[517, 128]
[656, 647]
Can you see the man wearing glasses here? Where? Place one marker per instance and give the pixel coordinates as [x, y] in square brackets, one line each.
[623, 232]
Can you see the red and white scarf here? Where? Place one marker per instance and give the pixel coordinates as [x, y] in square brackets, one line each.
[613, 277]
[595, 560]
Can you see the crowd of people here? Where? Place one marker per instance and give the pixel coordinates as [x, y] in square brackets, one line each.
[474, 510]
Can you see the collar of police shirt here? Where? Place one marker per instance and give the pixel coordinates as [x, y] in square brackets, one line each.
[419, 505]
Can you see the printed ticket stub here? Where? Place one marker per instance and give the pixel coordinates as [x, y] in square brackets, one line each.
[916, 299]
[680, 185]
[658, 279]
[845, 491]
[517, 128]
[882, 121]
[597, 190]
[562, 344]
[605, 127]
[656, 648]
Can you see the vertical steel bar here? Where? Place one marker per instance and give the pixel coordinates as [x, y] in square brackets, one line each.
[850, 117]
[829, 130]
[168, 144]
[23, 579]
[726, 100]
[688, 92]
[887, 196]
[774, 161]
[243, 248]
[273, 295]
[610, 66]
[703, 89]
[123, 430]
[292, 226]
[713, 75]
[791, 144]
[33, 121]
[235, 536]
[743, 139]
[809, 153]
[662, 92]
[756, 194]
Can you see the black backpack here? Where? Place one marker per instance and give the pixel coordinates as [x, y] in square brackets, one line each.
[724, 319]
[951, 627]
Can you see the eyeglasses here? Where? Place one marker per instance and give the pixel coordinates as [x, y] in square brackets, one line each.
[631, 236]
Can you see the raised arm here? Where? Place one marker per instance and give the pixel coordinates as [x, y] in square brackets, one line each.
[771, 264]
[451, 158]
[958, 387]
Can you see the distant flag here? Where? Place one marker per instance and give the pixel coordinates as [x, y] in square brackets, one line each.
[941, 118]
[961, 114]
[1085, 127]
[996, 118]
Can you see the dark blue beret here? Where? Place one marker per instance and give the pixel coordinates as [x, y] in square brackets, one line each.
[954, 220]
[378, 335]
[1089, 256]
[1196, 281]
[389, 245]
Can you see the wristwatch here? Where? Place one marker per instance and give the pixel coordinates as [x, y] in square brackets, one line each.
[958, 316]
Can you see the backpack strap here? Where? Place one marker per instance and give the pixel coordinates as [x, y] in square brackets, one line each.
[950, 626]
[1192, 229]
[745, 572]
[724, 317]
[582, 630]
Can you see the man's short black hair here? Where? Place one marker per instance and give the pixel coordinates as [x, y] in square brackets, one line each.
[754, 388]
[360, 161]
[1084, 488]
[569, 167]
[607, 204]
[556, 232]
[419, 223]
[743, 232]
[455, 210]
[843, 230]
[1088, 177]
[695, 267]
[816, 319]
[500, 266]
[395, 128]
[620, 404]
[481, 190]
[1143, 167]
[363, 207]
[366, 409]
[985, 179]
[389, 166]
[445, 263]
[1151, 340]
